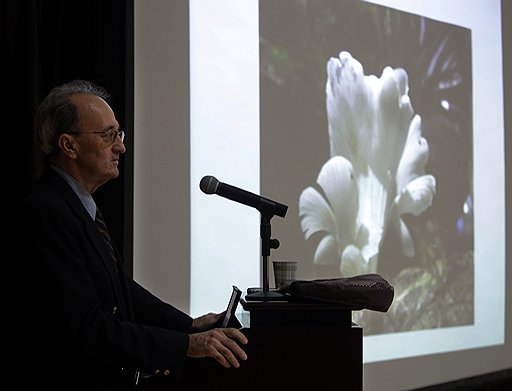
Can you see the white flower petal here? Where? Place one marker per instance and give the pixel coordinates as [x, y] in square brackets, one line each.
[353, 263]
[392, 121]
[415, 156]
[405, 238]
[338, 184]
[347, 93]
[327, 251]
[417, 195]
[315, 213]
[371, 250]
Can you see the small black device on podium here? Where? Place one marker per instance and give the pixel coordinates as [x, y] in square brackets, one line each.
[229, 319]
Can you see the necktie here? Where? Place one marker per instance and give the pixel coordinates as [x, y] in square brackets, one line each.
[102, 227]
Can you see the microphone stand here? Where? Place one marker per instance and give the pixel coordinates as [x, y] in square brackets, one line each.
[266, 244]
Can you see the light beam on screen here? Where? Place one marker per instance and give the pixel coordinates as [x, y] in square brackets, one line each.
[224, 127]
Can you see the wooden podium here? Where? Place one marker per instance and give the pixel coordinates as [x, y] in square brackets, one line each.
[291, 346]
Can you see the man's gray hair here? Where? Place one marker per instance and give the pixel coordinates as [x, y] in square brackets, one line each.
[57, 114]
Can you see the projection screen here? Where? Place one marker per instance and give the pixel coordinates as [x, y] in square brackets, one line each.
[290, 98]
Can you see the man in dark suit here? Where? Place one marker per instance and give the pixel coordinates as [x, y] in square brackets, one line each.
[79, 321]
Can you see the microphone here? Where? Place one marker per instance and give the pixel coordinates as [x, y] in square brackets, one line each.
[210, 185]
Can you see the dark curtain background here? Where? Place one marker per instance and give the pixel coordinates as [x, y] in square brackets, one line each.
[45, 43]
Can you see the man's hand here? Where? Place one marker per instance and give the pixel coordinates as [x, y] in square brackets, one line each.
[220, 345]
[206, 322]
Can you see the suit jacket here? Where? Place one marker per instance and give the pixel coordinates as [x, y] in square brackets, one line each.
[77, 321]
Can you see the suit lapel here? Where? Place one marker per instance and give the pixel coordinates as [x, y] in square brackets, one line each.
[95, 239]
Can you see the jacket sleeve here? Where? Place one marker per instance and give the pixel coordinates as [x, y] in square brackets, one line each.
[74, 297]
[149, 309]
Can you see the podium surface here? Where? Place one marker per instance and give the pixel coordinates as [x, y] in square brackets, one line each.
[298, 345]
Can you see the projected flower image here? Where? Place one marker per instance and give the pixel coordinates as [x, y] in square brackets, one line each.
[376, 172]
[367, 134]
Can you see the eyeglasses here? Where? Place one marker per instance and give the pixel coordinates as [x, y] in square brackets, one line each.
[109, 135]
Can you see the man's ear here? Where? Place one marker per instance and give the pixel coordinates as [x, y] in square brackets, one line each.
[68, 145]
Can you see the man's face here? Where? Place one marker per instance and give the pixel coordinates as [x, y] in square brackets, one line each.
[98, 150]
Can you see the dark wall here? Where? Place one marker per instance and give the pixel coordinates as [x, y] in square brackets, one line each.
[45, 43]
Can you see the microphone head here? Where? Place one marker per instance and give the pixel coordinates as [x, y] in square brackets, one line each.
[209, 184]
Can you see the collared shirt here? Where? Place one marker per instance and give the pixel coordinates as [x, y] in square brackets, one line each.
[84, 195]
